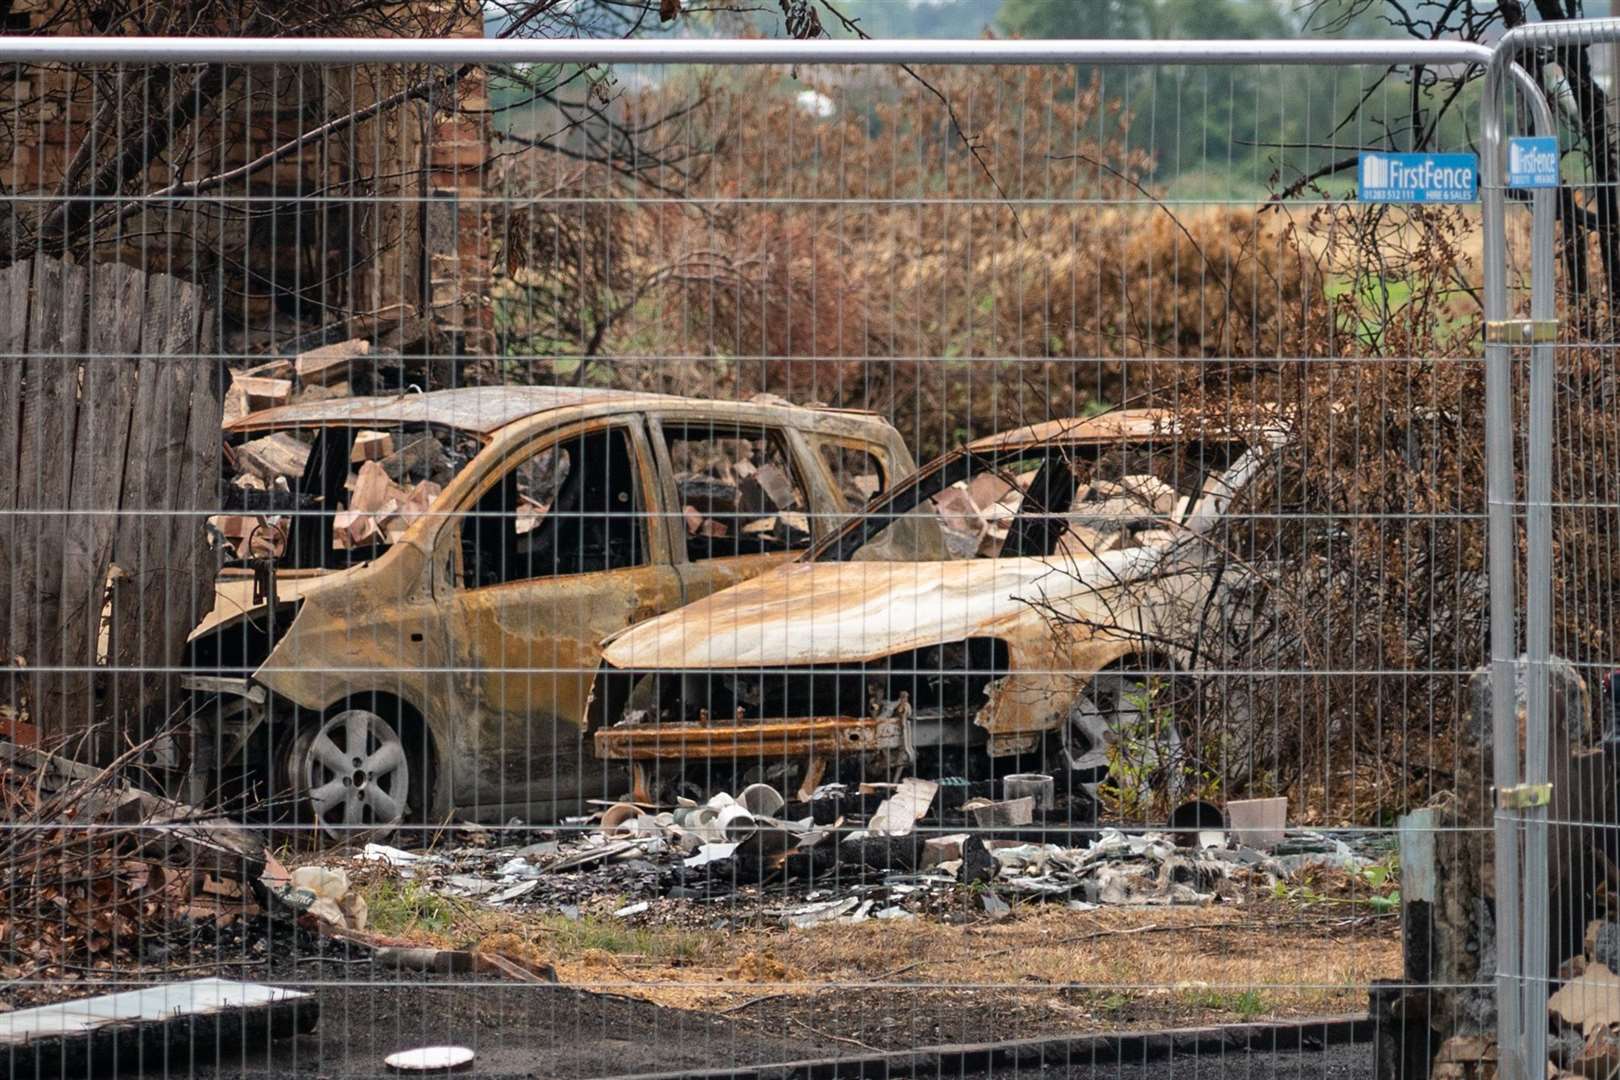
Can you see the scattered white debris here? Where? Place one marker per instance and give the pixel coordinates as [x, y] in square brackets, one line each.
[708, 853]
[728, 846]
[430, 1059]
[811, 914]
[522, 888]
[393, 856]
[909, 804]
[519, 868]
[332, 901]
[471, 885]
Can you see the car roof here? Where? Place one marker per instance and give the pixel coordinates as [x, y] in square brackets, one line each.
[1111, 427]
[480, 410]
[1104, 427]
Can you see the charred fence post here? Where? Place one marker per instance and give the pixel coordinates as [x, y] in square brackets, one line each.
[1440, 1021]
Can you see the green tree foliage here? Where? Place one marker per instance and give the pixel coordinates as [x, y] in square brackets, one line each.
[1146, 18]
[923, 18]
[1225, 131]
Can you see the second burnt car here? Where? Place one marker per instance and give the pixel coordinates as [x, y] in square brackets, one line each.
[415, 586]
[1064, 567]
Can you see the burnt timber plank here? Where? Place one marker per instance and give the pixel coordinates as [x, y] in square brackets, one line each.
[117, 299]
[51, 377]
[172, 465]
[17, 281]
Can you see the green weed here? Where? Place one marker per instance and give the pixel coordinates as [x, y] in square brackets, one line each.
[1142, 762]
[1247, 1004]
[395, 907]
[590, 932]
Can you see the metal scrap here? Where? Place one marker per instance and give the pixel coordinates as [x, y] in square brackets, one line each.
[46, 1039]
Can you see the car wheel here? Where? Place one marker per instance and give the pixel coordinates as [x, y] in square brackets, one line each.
[1111, 725]
[353, 774]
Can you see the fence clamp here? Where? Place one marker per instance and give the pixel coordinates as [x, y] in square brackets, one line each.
[1521, 331]
[1523, 796]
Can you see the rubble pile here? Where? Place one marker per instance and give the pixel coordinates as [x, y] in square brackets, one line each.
[735, 490]
[1585, 1010]
[340, 369]
[390, 484]
[894, 852]
[97, 878]
[975, 514]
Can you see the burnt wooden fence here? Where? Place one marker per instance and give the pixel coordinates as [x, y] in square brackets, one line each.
[109, 459]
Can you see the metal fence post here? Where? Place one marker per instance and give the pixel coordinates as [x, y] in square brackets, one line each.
[1521, 901]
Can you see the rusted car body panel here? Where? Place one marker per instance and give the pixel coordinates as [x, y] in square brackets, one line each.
[817, 735]
[840, 613]
[481, 410]
[1059, 620]
[500, 674]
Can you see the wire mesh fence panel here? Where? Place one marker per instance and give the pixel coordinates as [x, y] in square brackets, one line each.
[638, 562]
[1563, 816]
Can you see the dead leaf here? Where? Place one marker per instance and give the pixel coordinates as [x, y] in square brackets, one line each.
[1591, 1002]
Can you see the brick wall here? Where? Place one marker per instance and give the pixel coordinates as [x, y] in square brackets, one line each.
[379, 227]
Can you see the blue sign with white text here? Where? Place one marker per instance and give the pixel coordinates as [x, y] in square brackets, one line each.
[1418, 178]
[1533, 161]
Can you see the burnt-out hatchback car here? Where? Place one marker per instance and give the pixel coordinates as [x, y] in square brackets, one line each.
[414, 587]
[1065, 567]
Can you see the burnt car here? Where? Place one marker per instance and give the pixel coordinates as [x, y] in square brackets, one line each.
[1065, 567]
[414, 587]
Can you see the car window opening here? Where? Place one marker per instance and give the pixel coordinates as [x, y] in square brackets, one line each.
[331, 497]
[1042, 502]
[739, 491]
[573, 507]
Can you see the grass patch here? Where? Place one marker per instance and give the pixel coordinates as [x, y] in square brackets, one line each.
[1111, 1001]
[405, 908]
[595, 933]
[1246, 1004]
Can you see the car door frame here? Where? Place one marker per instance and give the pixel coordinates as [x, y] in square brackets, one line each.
[878, 452]
[823, 500]
[470, 688]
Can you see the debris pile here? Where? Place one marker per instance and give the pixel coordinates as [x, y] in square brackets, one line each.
[98, 878]
[340, 369]
[393, 477]
[1585, 1010]
[892, 851]
[736, 491]
[975, 514]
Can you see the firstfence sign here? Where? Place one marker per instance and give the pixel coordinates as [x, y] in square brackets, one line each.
[1533, 161]
[1418, 178]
